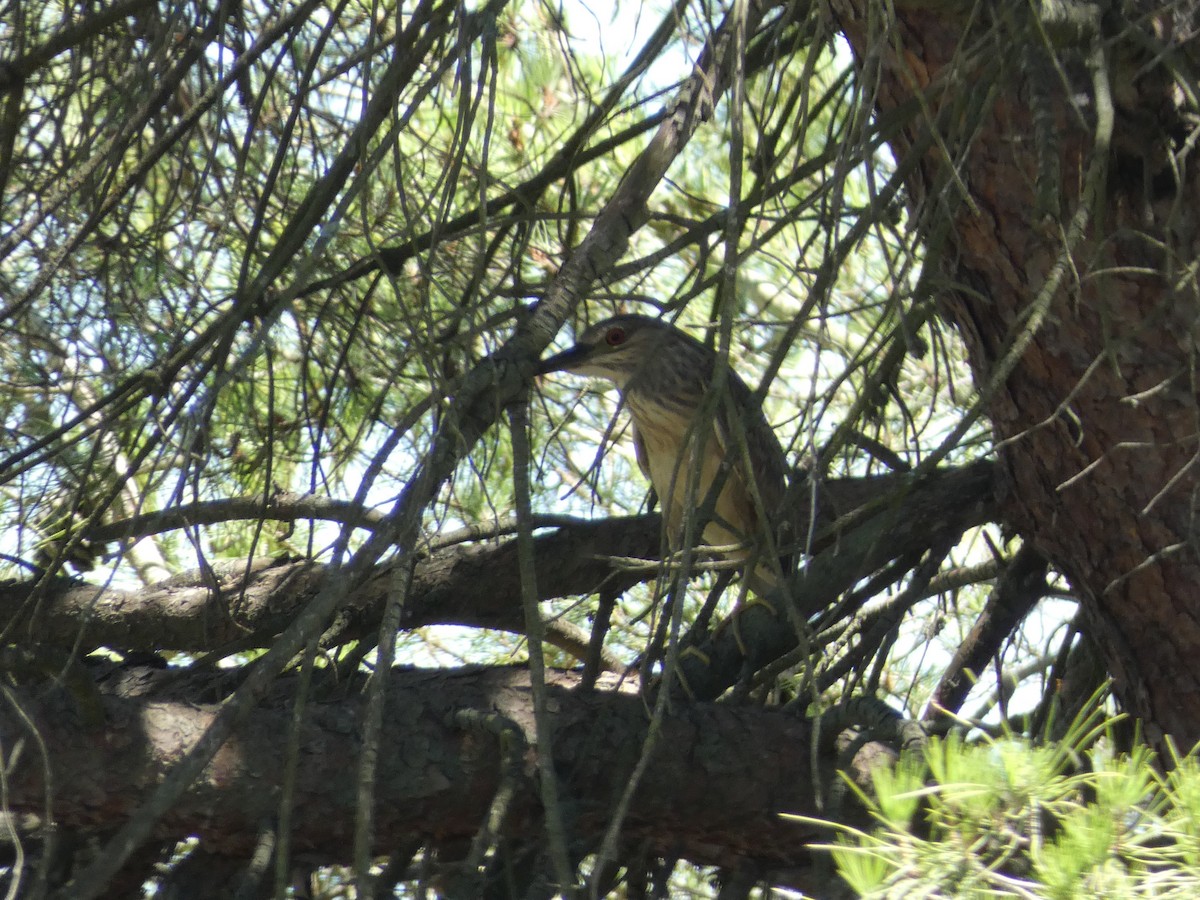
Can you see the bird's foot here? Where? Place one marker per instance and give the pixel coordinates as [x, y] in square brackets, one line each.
[733, 620]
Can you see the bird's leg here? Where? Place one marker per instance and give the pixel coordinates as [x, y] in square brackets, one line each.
[704, 617]
[732, 620]
[752, 591]
[669, 589]
[699, 628]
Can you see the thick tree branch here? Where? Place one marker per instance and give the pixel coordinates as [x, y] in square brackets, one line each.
[931, 512]
[1017, 591]
[253, 601]
[713, 794]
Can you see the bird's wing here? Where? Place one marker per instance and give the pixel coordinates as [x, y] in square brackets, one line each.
[643, 461]
[745, 433]
[639, 449]
[759, 443]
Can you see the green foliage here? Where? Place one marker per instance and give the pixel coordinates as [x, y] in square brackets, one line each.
[190, 269]
[1013, 818]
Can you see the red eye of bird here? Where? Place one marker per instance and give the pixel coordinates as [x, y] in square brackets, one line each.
[614, 337]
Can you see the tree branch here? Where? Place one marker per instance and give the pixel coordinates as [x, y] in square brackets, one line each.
[716, 802]
[252, 601]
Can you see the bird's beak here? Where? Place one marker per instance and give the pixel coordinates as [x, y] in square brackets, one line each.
[564, 361]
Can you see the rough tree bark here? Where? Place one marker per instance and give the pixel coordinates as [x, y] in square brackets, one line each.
[718, 780]
[1085, 248]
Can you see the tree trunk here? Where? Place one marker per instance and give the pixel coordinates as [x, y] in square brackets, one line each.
[1075, 258]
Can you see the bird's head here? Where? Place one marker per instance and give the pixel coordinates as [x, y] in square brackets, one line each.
[616, 349]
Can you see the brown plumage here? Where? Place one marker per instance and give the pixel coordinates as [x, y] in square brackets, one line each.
[664, 375]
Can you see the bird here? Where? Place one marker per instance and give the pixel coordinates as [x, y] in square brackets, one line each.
[664, 376]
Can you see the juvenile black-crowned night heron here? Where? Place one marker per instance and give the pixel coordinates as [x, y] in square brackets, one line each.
[664, 376]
